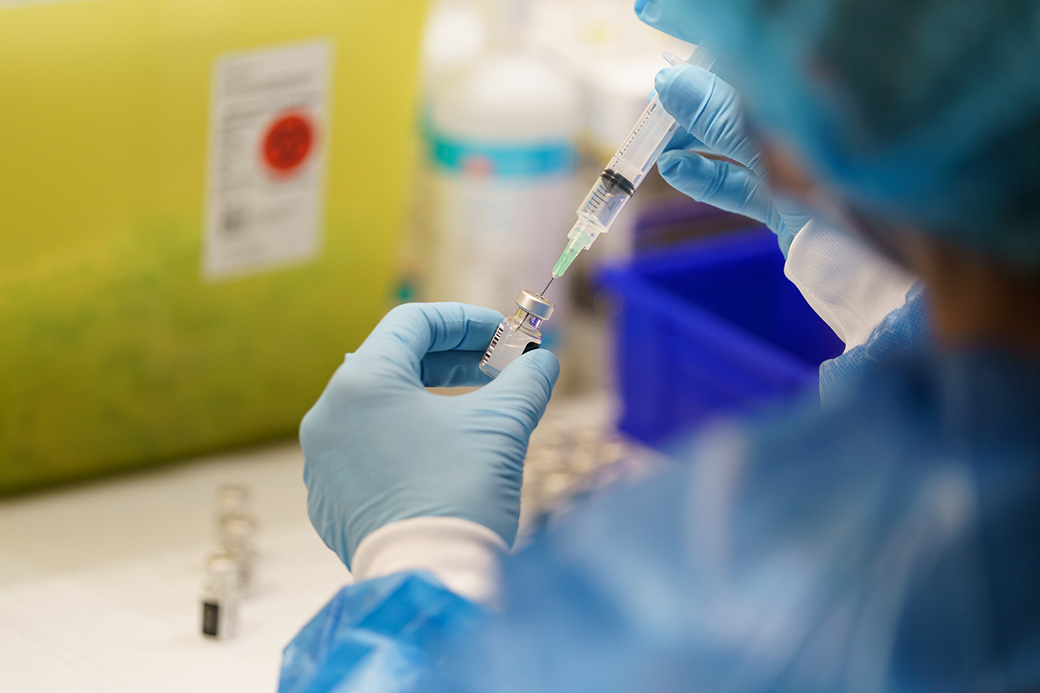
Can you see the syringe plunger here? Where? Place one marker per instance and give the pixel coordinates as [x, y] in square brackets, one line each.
[626, 170]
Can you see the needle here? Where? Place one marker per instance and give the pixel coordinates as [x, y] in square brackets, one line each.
[547, 286]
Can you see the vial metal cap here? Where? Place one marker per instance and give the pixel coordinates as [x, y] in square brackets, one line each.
[221, 562]
[232, 497]
[532, 303]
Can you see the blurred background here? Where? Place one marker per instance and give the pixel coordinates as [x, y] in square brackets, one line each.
[204, 205]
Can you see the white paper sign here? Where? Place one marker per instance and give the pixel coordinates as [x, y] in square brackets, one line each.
[268, 141]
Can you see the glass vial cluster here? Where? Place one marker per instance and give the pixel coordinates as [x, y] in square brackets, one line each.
[220, 596]
[230, 570]
[517, 334]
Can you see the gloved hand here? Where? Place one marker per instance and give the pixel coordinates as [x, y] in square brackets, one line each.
[379, 447]
[711, 117]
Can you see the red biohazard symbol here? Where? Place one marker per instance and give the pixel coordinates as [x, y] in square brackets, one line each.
[479, 166]
[288, 142]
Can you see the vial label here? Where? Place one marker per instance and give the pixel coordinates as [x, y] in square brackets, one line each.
[210, 619]
[508, 344]
[494, 343]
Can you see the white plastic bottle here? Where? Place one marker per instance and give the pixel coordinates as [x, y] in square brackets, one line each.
[456, 33]
[501, 141]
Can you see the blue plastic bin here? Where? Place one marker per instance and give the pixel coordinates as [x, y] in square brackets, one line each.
[709, 328]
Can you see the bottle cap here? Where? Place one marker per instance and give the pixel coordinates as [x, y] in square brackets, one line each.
[535, 305]
[221, 562]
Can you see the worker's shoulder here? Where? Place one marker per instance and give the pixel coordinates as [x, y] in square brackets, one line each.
[911, 415]
[946, 446]
[792, 455]
[895, 526]
[893, 426]
[916, 441]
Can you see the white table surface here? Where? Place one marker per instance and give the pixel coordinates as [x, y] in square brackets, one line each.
[100, 583]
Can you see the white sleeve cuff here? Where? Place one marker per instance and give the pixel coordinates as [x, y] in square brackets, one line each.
[848, 283]
[463, 555]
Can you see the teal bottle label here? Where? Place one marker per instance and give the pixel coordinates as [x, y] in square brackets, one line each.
[539, 160]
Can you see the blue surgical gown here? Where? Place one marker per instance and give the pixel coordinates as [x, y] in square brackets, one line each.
[890, 542]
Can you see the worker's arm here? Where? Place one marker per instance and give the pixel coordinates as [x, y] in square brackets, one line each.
[399, 478]
[848, 283]
[786, 558]
[463, 555]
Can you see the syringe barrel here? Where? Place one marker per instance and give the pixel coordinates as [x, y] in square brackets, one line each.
[604, 202]
[651, 134]
[625, 172]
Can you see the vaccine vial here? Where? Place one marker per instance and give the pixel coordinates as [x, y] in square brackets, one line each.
[517, 334]
[232, 498]
[220, 596]
[238, 538]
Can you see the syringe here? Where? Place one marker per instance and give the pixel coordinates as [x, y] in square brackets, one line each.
[625, 172]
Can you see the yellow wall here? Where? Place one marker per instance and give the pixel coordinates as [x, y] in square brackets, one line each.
[114, 351]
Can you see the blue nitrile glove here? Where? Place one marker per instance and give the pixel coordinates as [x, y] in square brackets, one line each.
[710, 113]
[379, 447]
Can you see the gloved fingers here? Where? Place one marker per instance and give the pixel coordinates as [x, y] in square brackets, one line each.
[669, 17]
[794, 214]
[409, 332]
[719, 183]
[711, 111]
[522, 391]
[453, 369]
[684, 141]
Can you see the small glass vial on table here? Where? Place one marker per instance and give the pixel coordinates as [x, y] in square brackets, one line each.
[232, 498]
[237, 537]
[517, 334]
[220, 596]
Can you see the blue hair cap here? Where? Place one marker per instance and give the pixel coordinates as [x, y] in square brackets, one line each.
[922, 112]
